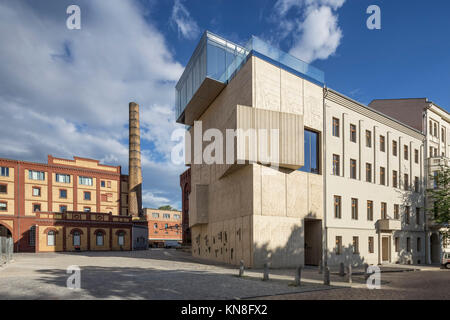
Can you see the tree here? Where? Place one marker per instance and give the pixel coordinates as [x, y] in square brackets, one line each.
[167, 207]
[440, 196]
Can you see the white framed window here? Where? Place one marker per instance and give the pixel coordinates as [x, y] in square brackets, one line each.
[76, 238]
[99, 239]
[51, 238]
[36, 175]
[36, 192]
[4, 171]
[87, 181]
[62, 178]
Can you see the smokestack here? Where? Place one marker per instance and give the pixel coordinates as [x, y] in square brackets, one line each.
[134, 163]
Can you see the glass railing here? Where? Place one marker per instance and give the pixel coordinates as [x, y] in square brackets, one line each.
[219, 59]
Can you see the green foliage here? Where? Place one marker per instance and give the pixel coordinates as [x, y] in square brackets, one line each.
[440, 195]
[167, 207]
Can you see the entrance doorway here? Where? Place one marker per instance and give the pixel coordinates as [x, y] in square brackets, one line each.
[385, 249]
[4, 232]
[435, 251]
[313, 242]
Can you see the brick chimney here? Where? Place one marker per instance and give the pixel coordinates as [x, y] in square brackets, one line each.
[134, 163]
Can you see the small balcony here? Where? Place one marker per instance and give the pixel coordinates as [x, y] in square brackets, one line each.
[438, 162]
[389, 224]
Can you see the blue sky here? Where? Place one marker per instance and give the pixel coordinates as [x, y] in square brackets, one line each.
[66, 92]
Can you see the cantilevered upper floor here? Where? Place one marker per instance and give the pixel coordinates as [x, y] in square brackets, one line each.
[215, 62]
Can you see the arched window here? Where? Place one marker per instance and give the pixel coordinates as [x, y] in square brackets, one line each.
[99, 238]
[76, 238]
[121, 238]
[51, 238]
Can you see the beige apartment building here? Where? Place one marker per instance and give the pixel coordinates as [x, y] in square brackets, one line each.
[347, 184]
[434, 122]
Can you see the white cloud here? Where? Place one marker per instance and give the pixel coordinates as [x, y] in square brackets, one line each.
[66, 92]
[181, 18]
[315, 30]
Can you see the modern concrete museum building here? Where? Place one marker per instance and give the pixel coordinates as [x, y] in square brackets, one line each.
[348, 182]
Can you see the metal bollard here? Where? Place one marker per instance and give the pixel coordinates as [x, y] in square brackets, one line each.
[241, 269]
[366, 275]
[266, 272]
[326, 276]
[341, 269]
[350, 274]
[298, 276]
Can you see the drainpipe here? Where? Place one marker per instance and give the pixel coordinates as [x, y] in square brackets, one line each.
[18, 207]
[324, 172]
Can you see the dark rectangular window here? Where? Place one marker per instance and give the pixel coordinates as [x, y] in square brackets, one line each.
[3, 188]
[382, 144]
[352, 133]
[368, 139]
[383, 210]
[369, 210]
[418, 216]
[394, 179]
[406, 181]
[394, 148]
[382, 176]
[63, 193]
[337, 207]
[416, 184]
[355, 209]
[371, 245]
[407, 214]
[102, 184]
[36, 207]
[406, 152]
[419, 244]
[368, 172]
[62, 209]
[87, 195]
[312, 156]
[355, 245]
[396, 212]
[336, 127]
[416, 156]
[338, 244]
[352, 169]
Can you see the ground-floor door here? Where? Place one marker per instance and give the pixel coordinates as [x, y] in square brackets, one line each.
[435, 251]
[385, 249]
[313, 242]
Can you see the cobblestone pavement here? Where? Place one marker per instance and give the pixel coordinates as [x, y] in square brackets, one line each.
[152, 274]
[422, 285]
[172, 274]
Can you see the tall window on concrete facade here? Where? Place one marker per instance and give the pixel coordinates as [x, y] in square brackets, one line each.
[396, 212]
[353, 133]
[352, 169]
[51, 238]
[394, 179]
[336, 165]
[354, 209]
[311, 152]
[408, 244]
[371, 245]
[397, 244]
[407, 214]
[355, 245]
[336, 127]
[4, 171]
[406, 181]
[382, 176]
[416, 156]
[406, 152]
[337, 207]
[369, 210]
[443, 134]
[416, 184]
[418, 216]
[394, 148]
[368, 139]
[419, 244]
[382, 144]
[368, 172]
[383, 210]
[338, 245]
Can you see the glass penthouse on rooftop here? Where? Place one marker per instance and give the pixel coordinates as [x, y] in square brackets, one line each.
[216, 60]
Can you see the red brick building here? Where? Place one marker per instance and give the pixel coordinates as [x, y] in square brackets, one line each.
[164, 226]
[64, 205]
